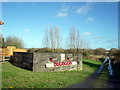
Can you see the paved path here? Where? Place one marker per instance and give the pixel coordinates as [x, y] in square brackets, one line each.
[90, 82]
[87, 82]
[93, 81]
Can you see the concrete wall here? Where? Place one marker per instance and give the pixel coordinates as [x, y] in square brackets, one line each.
[23, 60]
[37, 61]
[40, 59]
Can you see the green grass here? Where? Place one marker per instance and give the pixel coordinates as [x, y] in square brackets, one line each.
[15, 77]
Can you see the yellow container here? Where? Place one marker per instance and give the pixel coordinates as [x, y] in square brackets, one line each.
[8, 50]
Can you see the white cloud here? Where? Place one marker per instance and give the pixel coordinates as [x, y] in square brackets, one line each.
[83, 9]
[90, 19]
[61, 14]
[98, 37]
[87, 33]
[64, 11]
[26, 30]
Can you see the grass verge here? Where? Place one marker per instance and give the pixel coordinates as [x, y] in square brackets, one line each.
[102, 79]
[14, 77]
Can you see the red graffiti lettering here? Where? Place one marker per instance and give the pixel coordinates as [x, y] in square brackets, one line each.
[70, 63]
[55, 64]
[66, 63]
[63, 64]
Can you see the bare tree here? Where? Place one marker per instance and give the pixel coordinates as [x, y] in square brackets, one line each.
[58, 37]
[84, 44]
[71, 39]
[52, 38]
[45, 41]
[75, 41]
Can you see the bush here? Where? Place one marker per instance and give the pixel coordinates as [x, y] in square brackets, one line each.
[14, 41]
[32, 50]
